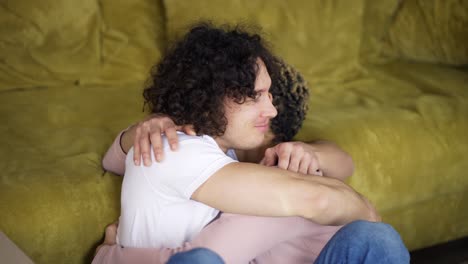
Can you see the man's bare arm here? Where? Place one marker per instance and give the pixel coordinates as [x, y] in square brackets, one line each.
[246, 188]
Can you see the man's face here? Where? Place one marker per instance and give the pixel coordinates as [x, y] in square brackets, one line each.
[248, 123]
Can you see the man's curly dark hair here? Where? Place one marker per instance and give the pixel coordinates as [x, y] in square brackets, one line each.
[291, 98]
[206, 66]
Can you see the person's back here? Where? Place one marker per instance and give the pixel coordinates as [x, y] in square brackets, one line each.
[156, 209]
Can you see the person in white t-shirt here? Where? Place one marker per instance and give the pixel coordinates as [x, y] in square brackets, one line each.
[299, 240]
[230, 107]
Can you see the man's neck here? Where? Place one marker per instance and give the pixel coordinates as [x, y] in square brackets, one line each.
[221, 144]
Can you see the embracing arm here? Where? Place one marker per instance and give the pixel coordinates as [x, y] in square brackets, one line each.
[140, 136]
[245, 188]
[321, 158]
[114, 159]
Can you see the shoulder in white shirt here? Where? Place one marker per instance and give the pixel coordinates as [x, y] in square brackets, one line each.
[156, 209]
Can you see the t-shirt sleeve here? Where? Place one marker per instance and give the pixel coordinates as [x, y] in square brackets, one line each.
[183, 171]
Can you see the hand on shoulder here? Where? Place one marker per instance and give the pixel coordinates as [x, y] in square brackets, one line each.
[148, 133]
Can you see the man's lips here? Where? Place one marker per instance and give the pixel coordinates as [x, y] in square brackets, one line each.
[263, 127]
[263, 124]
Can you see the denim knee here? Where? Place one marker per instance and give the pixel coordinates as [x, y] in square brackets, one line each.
[196, 256]
[372, 231]
[365, 242]
[379, 237]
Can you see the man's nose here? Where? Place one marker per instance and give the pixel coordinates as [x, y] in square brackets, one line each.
[269, 110]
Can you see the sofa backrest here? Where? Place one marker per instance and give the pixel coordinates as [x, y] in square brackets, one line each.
[51, 42]
[320, 38]
[426, 31]
[59, 42]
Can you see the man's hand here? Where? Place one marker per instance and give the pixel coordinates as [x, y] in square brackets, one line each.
[149, 131]
[374, 215]
[110, 236]
[293, 156]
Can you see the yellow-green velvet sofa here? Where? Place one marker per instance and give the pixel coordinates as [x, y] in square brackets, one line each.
[388, 81]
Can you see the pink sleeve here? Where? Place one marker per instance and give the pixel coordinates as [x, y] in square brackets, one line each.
[114, 160]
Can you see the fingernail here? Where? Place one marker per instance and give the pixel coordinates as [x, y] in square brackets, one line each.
[147, 162]
[136, 162]
[173, 146]
[158, 157]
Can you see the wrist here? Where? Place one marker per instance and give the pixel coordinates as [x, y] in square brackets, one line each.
[127, 138]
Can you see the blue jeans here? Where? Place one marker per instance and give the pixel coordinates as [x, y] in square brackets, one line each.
[196, 256]
[359, 242]
[365, 242]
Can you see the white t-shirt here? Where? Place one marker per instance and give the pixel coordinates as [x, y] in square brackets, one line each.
[156, 209]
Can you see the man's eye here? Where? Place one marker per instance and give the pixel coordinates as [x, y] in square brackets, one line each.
[257, 96]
